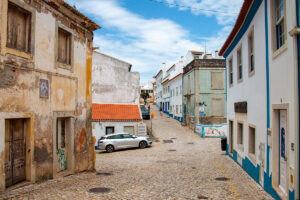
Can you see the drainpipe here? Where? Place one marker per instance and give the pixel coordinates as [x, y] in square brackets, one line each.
[196, 88]
[298, 49]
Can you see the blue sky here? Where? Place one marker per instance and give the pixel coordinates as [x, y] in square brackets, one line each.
[147, 33]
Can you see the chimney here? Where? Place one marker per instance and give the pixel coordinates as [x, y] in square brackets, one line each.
[216, 54]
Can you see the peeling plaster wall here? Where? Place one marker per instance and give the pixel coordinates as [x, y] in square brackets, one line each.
[112, 81]
[69, 90]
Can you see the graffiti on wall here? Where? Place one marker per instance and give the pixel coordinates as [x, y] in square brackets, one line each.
[61, 158]
[211, 130]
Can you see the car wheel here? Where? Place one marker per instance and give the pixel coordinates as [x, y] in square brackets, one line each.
[109, 148]
[143, 144]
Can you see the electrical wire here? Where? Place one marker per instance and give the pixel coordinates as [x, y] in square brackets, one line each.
[191, 8]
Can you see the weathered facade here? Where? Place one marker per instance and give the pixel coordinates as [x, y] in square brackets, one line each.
[45, 91]
[204, 92]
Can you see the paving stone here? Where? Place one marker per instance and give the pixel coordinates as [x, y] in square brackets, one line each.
[154, 173]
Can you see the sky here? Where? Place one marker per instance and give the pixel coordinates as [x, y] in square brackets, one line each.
[147, 33]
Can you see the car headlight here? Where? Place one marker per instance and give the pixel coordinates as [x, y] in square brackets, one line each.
[149, 139]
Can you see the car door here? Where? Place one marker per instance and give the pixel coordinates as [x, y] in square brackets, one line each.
[117, 141]
[129, 141]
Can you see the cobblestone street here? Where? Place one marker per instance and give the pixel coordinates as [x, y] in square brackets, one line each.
[180, 165]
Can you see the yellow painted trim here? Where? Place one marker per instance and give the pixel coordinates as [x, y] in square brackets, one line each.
[18, 53]
[233, 187]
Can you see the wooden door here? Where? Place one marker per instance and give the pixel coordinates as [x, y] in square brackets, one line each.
[15, 156]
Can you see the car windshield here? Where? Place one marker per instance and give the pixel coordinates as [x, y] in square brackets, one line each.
[102, 138]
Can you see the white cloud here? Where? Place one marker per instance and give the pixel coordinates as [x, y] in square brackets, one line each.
[145, 43]
[225, 11]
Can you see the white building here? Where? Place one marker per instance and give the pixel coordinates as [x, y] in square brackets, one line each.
[116, 94]
[158, 89]
[148, 88]
[262, 94]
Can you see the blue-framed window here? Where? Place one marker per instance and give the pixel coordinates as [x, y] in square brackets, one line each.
[230, 72]
[251, 52]
[279, 19]
[239, 64]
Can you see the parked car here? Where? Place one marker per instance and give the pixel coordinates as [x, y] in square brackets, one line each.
[123, 141]
[145, 112]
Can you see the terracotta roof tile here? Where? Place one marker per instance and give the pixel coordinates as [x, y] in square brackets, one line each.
[115, 112]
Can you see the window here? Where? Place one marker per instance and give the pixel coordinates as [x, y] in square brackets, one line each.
[64, 46]
[279, 23]
[239, 64]
[109, 130]
[251, 140]
[230, 72]
[125, 136]
[217, 80]
[180, 108]
[176, 91]
[171, 109]
[240, 134]
[251, 53]
[230, 136]
[176, 109]
[18, 28]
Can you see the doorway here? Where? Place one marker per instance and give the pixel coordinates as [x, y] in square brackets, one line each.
[231, 136]
[15, 156]
[61, 144]
[282, 150]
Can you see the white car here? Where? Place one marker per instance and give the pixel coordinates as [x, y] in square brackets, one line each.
[122, 141]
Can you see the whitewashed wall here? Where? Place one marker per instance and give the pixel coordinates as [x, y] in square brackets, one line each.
[251, 89]
[176, 99]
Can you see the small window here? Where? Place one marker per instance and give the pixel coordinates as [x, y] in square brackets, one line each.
[239, 64]
[109, 130]
[251, 53]
[64, 46]
[180, 108]
[176, 109]
[18, 28]
[240, 134]
[279, 23]
[251, 140]
[176, 91]
[230, 72]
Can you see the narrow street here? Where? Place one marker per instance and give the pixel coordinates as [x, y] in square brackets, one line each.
[180, 165]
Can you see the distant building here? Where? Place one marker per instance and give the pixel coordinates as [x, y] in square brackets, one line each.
[262, 54]
[116, 94]
[148, 88]
[204, 91]
[159, 89]
[45, 91]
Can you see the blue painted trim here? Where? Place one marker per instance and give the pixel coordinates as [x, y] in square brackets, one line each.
[251, 169]
[267, 83]
[220, 125]
[256, 4]
[292, 195]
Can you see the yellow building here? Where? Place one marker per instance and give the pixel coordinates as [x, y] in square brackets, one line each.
[45, 91]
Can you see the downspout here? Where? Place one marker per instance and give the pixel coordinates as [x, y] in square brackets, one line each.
[298, 49]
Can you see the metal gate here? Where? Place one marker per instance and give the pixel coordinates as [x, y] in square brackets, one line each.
[14, 152]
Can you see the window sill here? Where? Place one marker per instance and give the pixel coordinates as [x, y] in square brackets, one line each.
[63, 65]
[240, 80]
[241, 147]
[250, 74]
[18, 53]
[252, 158]
[279, 51]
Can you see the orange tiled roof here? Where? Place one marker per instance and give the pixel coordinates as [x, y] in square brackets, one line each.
[115, 112]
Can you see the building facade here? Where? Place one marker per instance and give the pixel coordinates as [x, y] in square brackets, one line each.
[262, 94]
[158, 89]
[45, 91]
[204, 91]
[116, 94]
